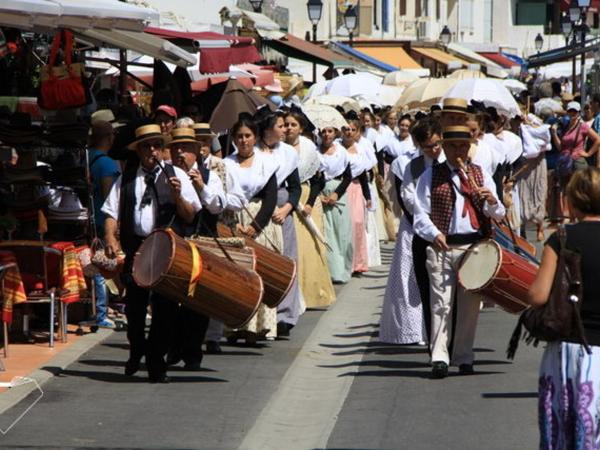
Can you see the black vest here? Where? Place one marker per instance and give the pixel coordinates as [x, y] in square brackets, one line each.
[167, 211]
[416, 167]
[205, 223]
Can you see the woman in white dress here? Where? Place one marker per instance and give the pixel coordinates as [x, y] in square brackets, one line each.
[405, 312]
[257, 176]
[313, 273]
[271, 129]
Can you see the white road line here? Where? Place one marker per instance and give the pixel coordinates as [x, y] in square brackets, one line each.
[303, 410]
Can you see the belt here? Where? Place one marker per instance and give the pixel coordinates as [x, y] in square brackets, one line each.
[463, 239]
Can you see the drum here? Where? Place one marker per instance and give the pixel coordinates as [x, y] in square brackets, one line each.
[503, 236]
[498, 274]
[234, 248]
[277, 271]
[197, 278]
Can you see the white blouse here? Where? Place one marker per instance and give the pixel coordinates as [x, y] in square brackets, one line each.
[254, 178]
[308, 163]
[334, 165]
[286, 158]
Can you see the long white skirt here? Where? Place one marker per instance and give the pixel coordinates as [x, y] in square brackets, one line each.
[402, 313]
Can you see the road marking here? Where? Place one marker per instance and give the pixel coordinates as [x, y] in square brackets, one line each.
[303, 410]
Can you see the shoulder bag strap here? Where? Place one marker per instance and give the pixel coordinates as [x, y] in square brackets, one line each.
[56, 44]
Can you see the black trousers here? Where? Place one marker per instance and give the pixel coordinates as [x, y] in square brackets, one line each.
[419, 247]
[189, 333]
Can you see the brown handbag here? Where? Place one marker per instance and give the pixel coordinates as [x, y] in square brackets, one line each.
[559, 318]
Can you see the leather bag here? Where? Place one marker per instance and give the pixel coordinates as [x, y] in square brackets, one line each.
[62, 86]
[559, 318]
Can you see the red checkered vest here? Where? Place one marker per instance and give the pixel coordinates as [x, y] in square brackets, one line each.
[443, 198]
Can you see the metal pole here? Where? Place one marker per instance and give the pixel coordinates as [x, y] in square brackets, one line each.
[123, 76]
[583, 74]
[574, 78]
[351, 37]
[314, 42]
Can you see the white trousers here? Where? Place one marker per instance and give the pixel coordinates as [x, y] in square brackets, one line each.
[443, 280]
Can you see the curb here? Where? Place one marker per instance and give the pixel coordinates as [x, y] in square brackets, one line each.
[63, 359]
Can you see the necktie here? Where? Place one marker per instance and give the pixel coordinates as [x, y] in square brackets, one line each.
[468, 207]
[149, 180]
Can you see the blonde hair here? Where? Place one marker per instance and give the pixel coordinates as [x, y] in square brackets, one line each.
[583, 191]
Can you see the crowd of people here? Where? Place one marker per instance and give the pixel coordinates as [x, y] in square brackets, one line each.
[434, 182]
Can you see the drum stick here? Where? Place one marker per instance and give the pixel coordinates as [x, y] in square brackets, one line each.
[260, 229]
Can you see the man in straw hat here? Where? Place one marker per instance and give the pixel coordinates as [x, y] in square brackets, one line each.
[148, 195]
[453, 211]
[454, 112]
[235, 201]
[190, 327]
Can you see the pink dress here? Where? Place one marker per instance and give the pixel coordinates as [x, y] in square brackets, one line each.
[358, 215]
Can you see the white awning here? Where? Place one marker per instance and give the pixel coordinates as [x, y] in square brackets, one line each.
[107, 14]
[259, 21]
[143, 43]
[493, 69]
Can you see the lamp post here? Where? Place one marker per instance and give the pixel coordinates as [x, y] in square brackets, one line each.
[314, 8]
[445, 36]
[575, 24]
[539, 42]
[256, 5]
[350, 20]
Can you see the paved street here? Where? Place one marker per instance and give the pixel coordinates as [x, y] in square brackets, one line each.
[331, 386]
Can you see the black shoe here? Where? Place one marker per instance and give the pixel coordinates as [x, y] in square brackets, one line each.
[132, 366]
[192, 366]
[172, 359]
[466, 369]
[213, 348]
[162, 378]
[439, 370]
[283, 329]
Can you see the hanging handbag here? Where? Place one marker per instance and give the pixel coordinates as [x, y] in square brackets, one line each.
[62, 86]
[564, 162]
[559, 318]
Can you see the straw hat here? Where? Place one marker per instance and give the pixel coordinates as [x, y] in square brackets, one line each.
[102, 115]
[275, 86]
[146, 133]
[180, 135]
[454, 105]
[457, 133]
[203, 129]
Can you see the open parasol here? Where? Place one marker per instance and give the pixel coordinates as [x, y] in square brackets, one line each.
[349, 104]
[425, 92]
[489, 91]
[323, 116]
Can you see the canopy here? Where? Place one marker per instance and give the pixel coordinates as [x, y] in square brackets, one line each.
[217, 51]
[500, 59]
[81, 14]
[492, 68]
[140, 42]
[294, 47]
[394, 56]
[363, 57]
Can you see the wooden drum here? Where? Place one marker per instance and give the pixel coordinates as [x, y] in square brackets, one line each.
[277, 271]
[234, 248]
[498, 274]
[197, 278]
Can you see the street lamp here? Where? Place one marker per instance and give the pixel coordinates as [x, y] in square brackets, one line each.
[315, 8]
[574, 11]
[256, 5]
[445, 36]
[539, 42]
[350, 21]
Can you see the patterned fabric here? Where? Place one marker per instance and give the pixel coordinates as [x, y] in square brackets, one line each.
[569, 398]
[443, 197]
[73, 281]
[402, 312]
[13, 291]
[217, 165]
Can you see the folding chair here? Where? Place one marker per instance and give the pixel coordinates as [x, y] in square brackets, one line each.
[39, 264]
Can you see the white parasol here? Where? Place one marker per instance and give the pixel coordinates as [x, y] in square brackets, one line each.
[323, 116]
[399, 78]
[547, 103]
[355, 84]
[424, 93]
[489, 91]
[312, 226]
[514, 86]
[463, 74]
[349, 104]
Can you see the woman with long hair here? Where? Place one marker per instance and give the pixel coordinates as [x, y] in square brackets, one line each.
[313, 274]
[271, 129]
[257, 176]
[569, 382]
[359, 194]
[337, 176]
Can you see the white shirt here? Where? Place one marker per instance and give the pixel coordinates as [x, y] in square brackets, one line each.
[254, 178]
[484, 156]
[235, 200]
[286, 158]
[144, 219]
[536, 140]
[394, 147]
[409, 184]
[334, 165]
[369, 150]
[212, 195]
[371, 134]
[513, 145]
[496, 147]
[423, 225]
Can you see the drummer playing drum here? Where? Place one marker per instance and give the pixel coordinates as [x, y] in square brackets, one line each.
[454, 205]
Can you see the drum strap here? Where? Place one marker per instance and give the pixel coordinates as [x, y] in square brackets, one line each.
[196, 269]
